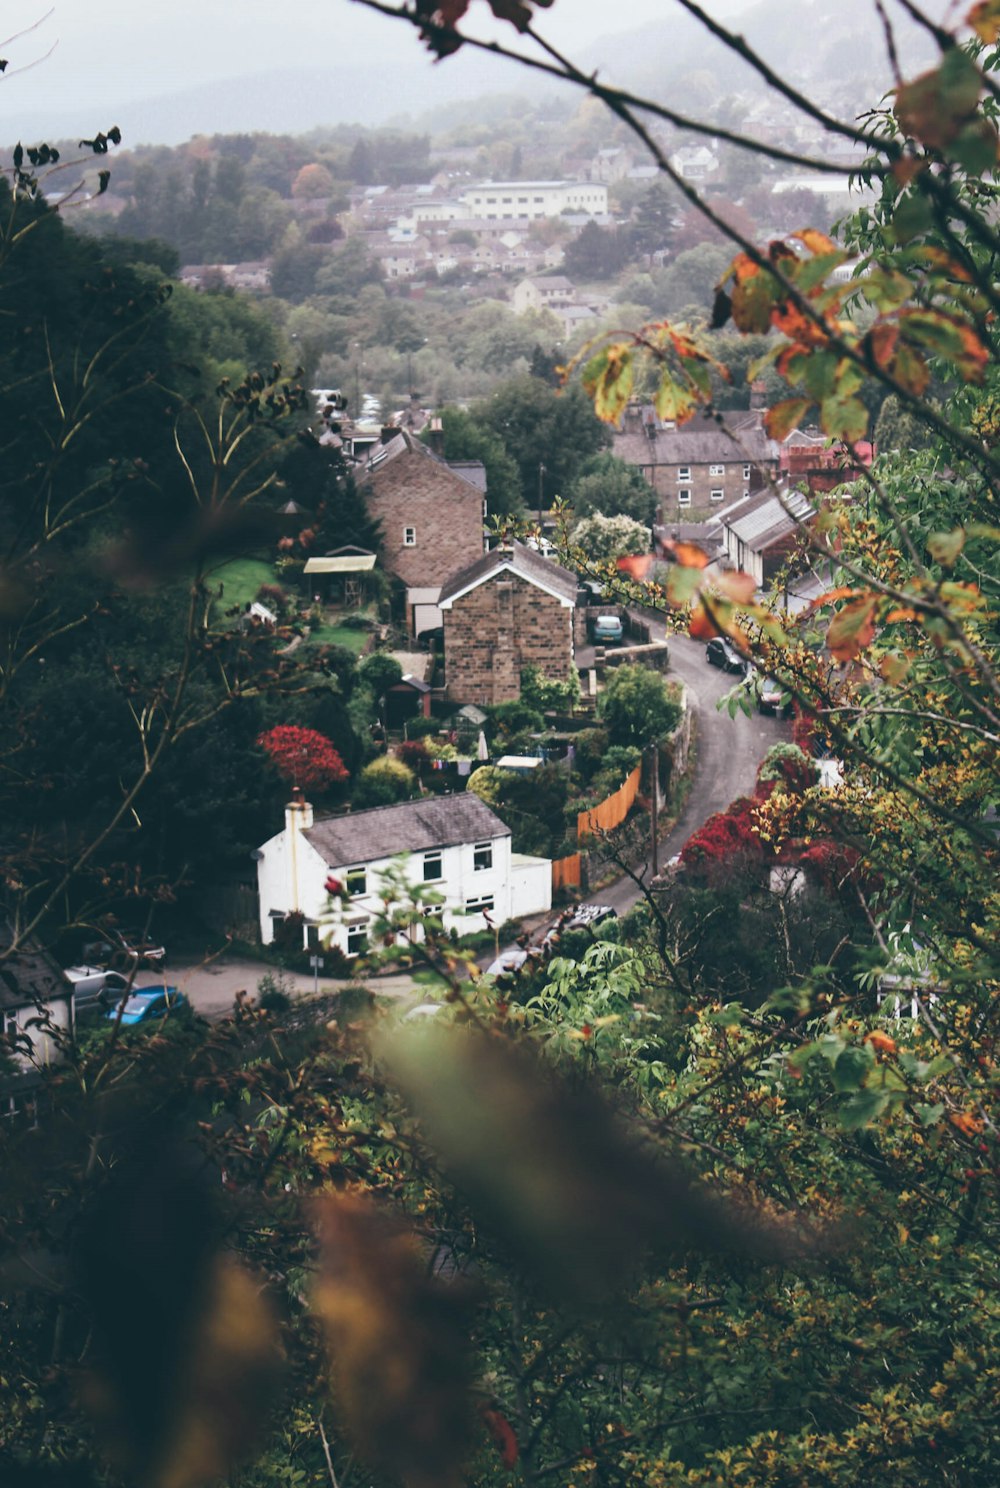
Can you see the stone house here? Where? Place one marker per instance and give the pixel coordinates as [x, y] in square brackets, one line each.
[510, 609]
[698, 468]
[431, 516]
[454, 845]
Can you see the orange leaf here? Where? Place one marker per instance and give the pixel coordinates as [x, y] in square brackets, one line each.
[984, 19]
[780, 420]
[851, 629]
[815, 241]
[883, 339]
[966, 1122]
[740, 587]
[882, 1042]
[701, 626]
[503, 1435]
[688, 555]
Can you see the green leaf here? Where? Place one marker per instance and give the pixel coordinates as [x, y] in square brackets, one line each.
[682, 584]
[844, 418]
[928, 1115]
[608, 378]
[862, 1109]
[945, 547]
[851, 1068]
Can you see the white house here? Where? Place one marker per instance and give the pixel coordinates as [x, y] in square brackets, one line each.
[36, 1004]
[455, 845]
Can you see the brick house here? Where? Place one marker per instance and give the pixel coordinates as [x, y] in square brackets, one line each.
[510, 609]
[543, 293]
[698, 468]
[431, 514]
[455, 846]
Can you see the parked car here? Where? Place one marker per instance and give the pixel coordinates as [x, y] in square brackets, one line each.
[607, 630]
[148, 1004]
[772, 698]
[123, 949]
[507, 964]
[95, 988]
[590, 915]
[722, 653]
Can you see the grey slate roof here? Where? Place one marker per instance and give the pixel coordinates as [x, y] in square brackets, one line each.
[701, 442]
[764, 518]
[30, 976]
[403, 442]
[413, 826]
[522, 560]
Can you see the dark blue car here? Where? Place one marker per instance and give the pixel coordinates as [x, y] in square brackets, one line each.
[147, 1004]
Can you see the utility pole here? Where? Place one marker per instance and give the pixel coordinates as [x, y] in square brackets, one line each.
[654, 772]
[541, 498]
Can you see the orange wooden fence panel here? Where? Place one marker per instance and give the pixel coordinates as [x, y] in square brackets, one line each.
[610, 812]
[566, 872]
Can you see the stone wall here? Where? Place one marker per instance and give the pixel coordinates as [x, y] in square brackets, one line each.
[445, 512]
[497, 629]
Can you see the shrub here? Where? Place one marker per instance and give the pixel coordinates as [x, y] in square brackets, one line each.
[419, 727]
[507, 719]
[384, 782]
[789, 765]
[549, 693]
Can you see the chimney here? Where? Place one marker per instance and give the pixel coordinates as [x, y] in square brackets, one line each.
[436, 436]
[758, 395]
[298, 812]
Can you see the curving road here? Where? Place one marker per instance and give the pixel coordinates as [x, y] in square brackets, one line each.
[728, 752]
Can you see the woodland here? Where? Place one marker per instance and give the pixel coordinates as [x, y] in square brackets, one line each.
[710, 1198]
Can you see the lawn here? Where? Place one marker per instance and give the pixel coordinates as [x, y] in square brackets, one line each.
[241, 579]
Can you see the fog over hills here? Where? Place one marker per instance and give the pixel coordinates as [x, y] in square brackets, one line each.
[184, 71]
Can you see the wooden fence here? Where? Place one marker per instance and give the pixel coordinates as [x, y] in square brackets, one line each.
[610, 812]
[566, 872]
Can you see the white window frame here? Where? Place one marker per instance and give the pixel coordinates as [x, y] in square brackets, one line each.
[482, 904]
[746, 472]
[357, 929]
[409, 537]
[718, 494]
[717, 470]
[433, 859]
[684, 496]
[357, 873]
[482, 857]
[684, 474]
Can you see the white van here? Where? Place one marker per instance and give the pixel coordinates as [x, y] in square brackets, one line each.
[94, 989]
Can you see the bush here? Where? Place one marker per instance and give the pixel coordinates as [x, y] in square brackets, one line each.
[788, 765]
[419, 727]
[384, 782]
[549, 693]
[507, 719]
[591, 746]
[638, 707]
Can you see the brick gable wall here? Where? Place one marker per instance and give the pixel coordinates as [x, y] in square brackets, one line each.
[445, 511]
[497, 629]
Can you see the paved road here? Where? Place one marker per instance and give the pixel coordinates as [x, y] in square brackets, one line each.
[213, 985]
[729, 751]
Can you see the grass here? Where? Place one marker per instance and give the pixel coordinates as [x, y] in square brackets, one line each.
[339, 635]
[241, 579]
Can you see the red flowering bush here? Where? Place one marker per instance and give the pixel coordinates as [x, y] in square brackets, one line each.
[303, 757]
[727, 835]
[413, 752]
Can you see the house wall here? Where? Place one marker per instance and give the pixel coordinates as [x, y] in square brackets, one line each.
[45, 1049]
[461, 883]
[670, 481]
[412, 490]
[497, 629]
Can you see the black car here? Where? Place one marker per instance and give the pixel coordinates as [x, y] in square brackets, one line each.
[722, 653]
[772, 698]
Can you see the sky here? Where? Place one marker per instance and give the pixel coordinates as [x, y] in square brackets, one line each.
[83, 58]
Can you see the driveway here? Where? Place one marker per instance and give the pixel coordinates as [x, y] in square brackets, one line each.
[213, 985]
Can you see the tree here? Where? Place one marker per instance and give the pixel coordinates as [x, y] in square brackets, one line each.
[465, 438]
[610, 487]
[548, 435]
[384, 782]
[637, 708]
[599, 537]
[303, 757]
[312, 180]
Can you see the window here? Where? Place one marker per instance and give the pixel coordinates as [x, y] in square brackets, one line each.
[409, 537]
[357, 937]
[277, 917]
[684, 472]
[745, 494]
[312, 936]
[746, 472]
[718, 494]
[432, 866]
[10, 1024]
[482, 905]
[356, 881]
[482, 856]
[717, 470]
[684, 496]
